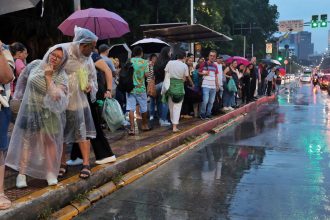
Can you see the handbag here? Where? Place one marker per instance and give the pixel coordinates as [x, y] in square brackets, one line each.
[112, 114]
[151, 89]
[231, 86]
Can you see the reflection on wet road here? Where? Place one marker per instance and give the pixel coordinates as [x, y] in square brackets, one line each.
[273, 165]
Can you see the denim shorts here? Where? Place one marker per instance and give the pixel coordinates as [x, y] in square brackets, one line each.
[136, 99]
[4, 124]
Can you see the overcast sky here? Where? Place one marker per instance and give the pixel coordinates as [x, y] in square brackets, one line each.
[304, 9]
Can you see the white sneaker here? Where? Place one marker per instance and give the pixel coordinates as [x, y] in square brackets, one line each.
[231, 109]
[225, 109]
[51, 179]
[75, 162]
[165, 123]
[107, 160]
[21, 181]
[126, 123]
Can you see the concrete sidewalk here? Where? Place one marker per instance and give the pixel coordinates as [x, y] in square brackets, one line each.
[132, 152]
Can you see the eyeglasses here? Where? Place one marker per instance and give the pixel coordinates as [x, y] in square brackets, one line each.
[56, 56]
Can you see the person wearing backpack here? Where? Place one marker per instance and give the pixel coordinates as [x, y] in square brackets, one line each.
[138, 95]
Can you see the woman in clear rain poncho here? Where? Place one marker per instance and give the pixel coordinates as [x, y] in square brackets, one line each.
[82, 83]
[36, 143]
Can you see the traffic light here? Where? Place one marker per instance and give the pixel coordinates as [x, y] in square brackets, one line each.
[324, 20]
[280, 57]
[315, 21]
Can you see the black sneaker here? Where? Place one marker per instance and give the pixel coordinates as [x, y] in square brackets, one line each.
[202, 117]
[209, 117]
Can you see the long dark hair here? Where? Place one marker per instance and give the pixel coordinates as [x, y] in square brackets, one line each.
[163, 57]
[16, 47]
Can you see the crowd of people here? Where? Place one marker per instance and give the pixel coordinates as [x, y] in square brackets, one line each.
[54, 100]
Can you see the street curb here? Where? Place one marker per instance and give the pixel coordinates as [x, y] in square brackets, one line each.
[55, 197]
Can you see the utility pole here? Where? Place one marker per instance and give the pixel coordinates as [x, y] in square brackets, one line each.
[77, 5]
[244, 30]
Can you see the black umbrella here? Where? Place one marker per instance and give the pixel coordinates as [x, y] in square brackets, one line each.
[121, 51]
[151, 45]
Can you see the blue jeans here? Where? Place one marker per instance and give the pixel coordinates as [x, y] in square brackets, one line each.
[4, 125]
[208, 100]
[162, 108]
[152, 106]
[228, 98]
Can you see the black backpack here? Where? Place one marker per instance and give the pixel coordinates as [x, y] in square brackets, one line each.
[126, 78]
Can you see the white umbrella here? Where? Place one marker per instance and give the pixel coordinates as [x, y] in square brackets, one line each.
[8, 6]
[151, 45]
[270, 61]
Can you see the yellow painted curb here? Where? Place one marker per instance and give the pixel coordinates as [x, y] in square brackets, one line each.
[146, 168]
[161, 160]
[131, 176]
[107, 188]
[81, 206]
[94, 195]
[67, 213]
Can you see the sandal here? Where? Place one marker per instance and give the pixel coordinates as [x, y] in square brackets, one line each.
[131, 132]
[85, 172]
[5, 203]
[63, 170]
[147, 129]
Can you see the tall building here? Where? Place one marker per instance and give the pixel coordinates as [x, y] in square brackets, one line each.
[305, 45]
[300, 44]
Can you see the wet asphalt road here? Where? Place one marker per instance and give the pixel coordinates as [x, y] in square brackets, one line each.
[273, 165]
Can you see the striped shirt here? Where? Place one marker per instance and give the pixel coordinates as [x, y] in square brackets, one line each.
[209, 80]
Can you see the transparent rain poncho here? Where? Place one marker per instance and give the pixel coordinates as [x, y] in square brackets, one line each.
[80, 124]
[36, 143]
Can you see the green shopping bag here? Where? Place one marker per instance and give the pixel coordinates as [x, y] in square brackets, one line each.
[231, 86]
[112, 114]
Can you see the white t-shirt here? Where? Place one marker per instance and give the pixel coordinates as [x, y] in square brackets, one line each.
[220, 74]
[177, 69]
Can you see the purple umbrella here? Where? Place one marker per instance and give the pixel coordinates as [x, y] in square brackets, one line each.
[240, 60]
[103, 23]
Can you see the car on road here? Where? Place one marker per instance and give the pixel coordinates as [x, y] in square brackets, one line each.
[324, 81]
[306, 77]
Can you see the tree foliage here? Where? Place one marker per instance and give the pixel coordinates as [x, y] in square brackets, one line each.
[221, 15]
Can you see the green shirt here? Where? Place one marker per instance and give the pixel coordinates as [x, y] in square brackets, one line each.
[141, 67]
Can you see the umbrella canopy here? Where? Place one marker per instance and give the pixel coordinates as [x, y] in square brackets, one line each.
[282, 71]
[240, 60]
[105, 24]
[7, 6]
[224, 56]
[271, 62]
[151, 45]
[120, 51]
